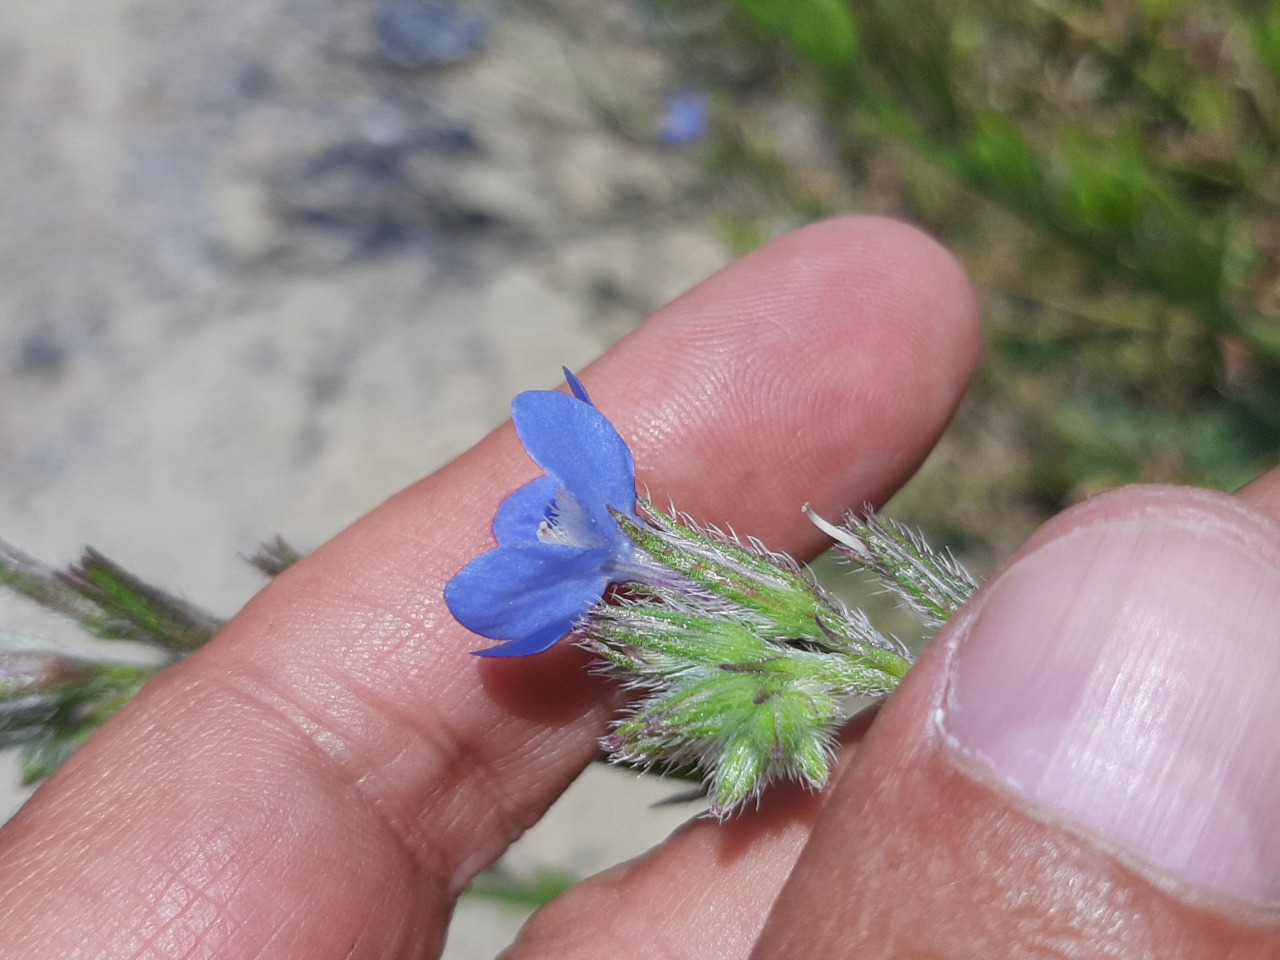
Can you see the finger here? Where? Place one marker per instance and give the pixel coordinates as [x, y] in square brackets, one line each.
[1263, 493]
[1084, 764]
[335, 766]
[703, 892]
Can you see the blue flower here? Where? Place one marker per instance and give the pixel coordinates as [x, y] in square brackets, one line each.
[558, 545]
[686, 119]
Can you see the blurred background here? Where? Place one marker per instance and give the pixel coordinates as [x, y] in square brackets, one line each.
[265, 263]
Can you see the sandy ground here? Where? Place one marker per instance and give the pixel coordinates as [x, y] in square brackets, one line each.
[256, 275]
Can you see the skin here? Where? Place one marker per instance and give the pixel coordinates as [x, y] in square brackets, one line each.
[324, 778]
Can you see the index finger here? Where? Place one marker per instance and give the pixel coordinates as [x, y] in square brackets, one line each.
[335, 767]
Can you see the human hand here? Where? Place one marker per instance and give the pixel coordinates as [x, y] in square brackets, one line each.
[326, 776]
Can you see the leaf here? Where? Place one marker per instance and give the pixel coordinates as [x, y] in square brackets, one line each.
[109, 602]
[534, 891]
[274, 557]
[132, 609]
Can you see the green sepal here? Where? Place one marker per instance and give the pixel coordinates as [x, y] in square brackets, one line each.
[787, 602]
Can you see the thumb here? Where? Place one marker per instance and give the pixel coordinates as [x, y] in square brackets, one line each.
[1085, 763]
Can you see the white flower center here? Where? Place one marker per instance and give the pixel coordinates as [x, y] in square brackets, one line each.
[567, 523]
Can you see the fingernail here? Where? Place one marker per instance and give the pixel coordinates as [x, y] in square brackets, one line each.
[1126, 678]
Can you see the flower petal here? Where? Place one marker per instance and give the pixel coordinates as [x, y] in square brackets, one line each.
[523, 512]
[576, 386]
[525, 646]
[522, 591]
[576, 444]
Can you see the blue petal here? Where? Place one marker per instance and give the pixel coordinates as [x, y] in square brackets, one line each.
[522, 513]
[576, 444]
[686, 119]
[522, 591]
[576, 386]
[524, 646]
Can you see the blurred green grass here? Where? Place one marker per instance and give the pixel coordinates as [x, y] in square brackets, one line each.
[1108, 172]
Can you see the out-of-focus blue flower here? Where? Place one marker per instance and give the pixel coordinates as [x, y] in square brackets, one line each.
[558, 545]
[686, 118]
